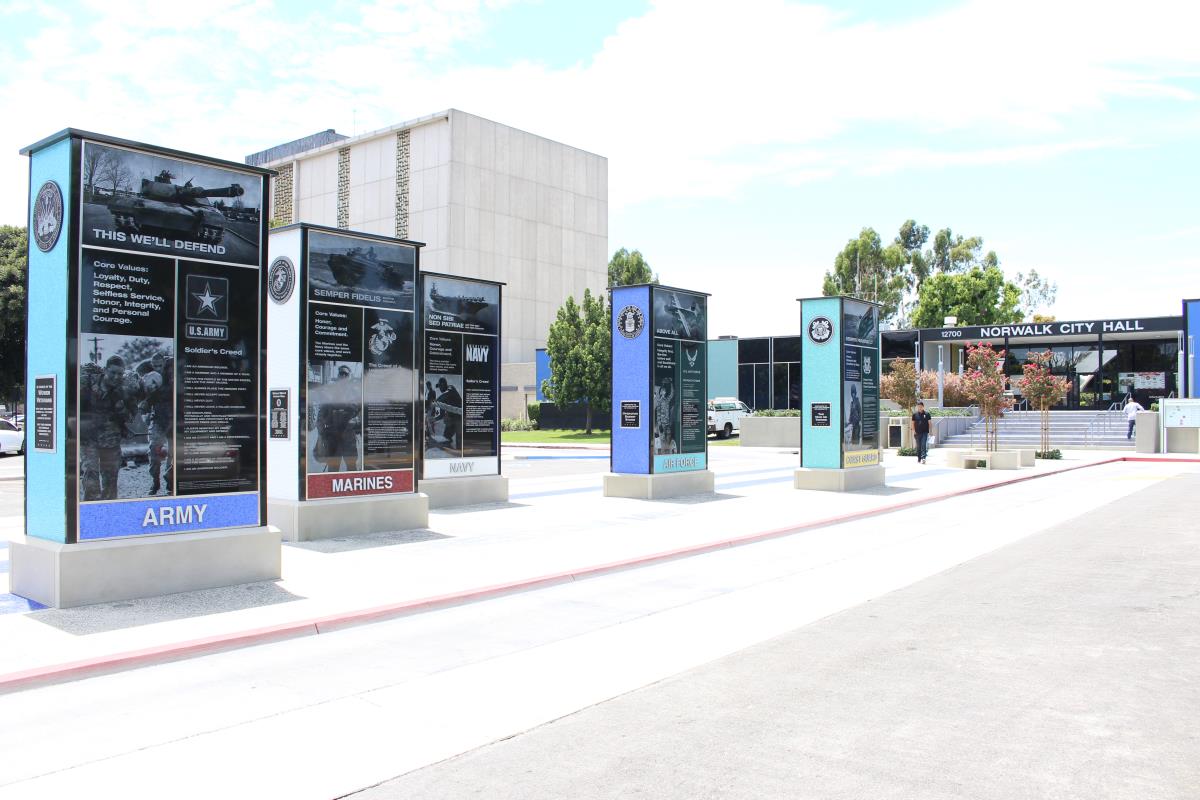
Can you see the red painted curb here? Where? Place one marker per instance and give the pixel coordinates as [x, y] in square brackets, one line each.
[15, 681]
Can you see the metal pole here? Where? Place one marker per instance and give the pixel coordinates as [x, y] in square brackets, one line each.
[941, 376]
[1191, 371]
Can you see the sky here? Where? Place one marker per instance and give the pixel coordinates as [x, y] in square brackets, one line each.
[746, 142]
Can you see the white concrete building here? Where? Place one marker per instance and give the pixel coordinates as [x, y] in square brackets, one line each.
[489, 201]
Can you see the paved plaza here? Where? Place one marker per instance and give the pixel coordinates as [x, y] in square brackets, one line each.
[1032, 639]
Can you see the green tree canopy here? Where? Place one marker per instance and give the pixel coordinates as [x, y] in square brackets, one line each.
[1037, 294]
[626, 269]
[14, 255]
[980, 296]
[579, 348]
[868, 270]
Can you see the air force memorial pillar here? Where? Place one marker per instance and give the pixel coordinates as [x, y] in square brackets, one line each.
[145, 359]
[839, 446]
[659, 393]
[342, 383]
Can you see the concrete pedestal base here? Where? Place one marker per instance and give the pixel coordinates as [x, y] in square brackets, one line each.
[657, 487]
[69, 575]
[466, 491]
[305, 520]
[839, 480]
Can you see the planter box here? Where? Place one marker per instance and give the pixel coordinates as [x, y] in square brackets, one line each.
[770, 431]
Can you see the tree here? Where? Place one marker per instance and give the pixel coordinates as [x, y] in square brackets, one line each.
[626, 269]
[1037, 294]
[115, 174]
[579, 348]
[977, 297]
[868, 270]
[953, 253]
[1043, 390]
[14, 255]
[900, 384]
[984, 382]
[912, 238]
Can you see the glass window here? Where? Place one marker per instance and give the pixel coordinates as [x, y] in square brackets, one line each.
[5, 425]
[746, 384]
[762, 385]
[779, 397]
[754, 351]
[787, 348]
[897, 344]
[794, 385]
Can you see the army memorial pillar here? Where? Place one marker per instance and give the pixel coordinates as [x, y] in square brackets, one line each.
[839, 446]
[145, 353]
[659, 393]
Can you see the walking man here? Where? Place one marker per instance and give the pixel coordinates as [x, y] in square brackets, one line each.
[920, 428]
[1132, 407]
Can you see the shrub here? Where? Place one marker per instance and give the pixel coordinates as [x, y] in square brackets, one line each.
[779, 412]
[1050, 455]
[906, 451]
[534, 412]
[1154, 406]
[517, 425]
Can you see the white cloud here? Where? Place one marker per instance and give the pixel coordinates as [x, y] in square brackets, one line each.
[691, 99]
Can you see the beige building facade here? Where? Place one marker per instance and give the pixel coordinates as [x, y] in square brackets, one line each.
[488, 200]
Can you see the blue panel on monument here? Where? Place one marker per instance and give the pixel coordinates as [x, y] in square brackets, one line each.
[1191, 315]
[146, 395]
[660, 364]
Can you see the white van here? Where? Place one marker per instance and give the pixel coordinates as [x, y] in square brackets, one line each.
[725, 416]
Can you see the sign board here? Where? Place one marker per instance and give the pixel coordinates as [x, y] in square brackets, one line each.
[45, 413]
[162, 255]
[631, 414]
[660, 363]
[1130, 381]
[460, 376]
[1180, 413]
[359, 393]
[820, 415]
[860, 382]
[279, 423]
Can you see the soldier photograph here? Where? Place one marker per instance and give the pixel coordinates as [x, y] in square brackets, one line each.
[337, 397]
[443, 436]
[126, 403]
[664, 418]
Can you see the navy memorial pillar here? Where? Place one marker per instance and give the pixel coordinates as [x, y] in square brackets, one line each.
[342, 383]
[145, 356]
[839, 444]
[659, 393]
[460, 391]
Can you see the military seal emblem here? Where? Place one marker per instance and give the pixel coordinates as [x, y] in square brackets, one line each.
[281, 279]
[47, 216]
[630, 322]
[820, 330]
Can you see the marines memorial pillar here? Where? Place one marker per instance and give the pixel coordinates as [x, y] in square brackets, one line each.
[342, 383]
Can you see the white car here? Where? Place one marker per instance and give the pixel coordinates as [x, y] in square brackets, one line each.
[12, 438]
[725, 416]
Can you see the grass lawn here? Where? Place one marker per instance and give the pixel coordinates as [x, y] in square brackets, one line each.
[555, 437]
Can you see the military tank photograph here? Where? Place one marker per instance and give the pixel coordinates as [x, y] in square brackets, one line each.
[163, 206]
[153, 204]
